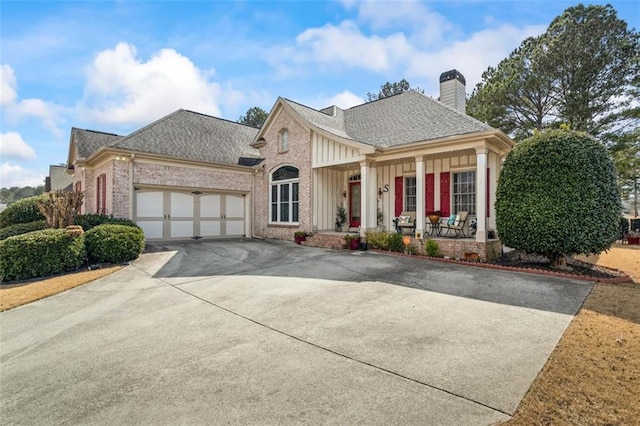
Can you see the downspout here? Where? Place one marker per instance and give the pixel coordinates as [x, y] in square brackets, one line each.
[131, 191]
[253, 204]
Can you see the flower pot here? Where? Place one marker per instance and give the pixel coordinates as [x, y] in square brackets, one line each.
[299, 239]
[354, 243]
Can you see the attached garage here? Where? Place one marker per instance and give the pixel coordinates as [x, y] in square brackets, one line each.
[168, 214]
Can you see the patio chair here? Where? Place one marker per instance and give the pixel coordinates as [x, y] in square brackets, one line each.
[457, 226]
[407, 220]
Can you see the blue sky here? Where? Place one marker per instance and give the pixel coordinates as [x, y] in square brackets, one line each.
[116, 66]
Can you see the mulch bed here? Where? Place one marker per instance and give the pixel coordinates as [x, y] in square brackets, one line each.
[536, 262]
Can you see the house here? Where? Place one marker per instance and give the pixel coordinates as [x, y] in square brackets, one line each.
[189, 175]
[58, 179]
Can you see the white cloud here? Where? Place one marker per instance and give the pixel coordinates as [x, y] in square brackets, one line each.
[121, 88]
[8, 93]
[12, 145]
[344, 100]
[14, 175]
[20, 110]
[471, 56]
[344, 45]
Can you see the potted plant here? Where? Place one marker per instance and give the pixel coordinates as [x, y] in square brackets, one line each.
[341, 217]
[353, 241]
[299, 236]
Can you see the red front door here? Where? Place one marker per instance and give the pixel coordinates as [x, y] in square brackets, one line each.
[354, 204]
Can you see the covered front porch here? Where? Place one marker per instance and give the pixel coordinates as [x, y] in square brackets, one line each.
[448, 176]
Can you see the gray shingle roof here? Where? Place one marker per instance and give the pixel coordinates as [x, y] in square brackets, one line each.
[393, 121]
[406, 118]
[89, 141]
[191, 135]
[323, 120]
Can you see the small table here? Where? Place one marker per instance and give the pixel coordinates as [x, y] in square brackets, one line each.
[435, 228]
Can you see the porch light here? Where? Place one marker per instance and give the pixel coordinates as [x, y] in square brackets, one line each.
[344, 194]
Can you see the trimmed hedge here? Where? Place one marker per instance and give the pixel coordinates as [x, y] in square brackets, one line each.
[114, 243]
[22, 228]
[89, 221]
[40, 253]
[22, 211]
[557, 196]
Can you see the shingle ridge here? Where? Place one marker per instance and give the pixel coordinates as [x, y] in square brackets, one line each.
[219, 118]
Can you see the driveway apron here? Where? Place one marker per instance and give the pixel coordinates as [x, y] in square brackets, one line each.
[267, 332]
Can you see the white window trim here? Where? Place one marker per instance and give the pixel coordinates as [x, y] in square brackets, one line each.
[452, 187]
[404, 190]
[278, 183]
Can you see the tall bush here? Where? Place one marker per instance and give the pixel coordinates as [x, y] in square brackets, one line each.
[557, 196]
[40, 253]
[114, 243]
[91, 220]
[22, 211]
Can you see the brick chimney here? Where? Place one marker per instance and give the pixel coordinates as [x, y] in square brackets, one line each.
[452, 90]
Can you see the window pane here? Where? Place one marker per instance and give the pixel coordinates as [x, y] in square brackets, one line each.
[285, 172]
[410, 194]
[294, 213]
[464, 192]
[284, 192]
[284, 212]
[294, 191]
[274, 212]
[274, 193]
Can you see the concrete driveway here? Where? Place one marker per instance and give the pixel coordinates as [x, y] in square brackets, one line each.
[264, 332]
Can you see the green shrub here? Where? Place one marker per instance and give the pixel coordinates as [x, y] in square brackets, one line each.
[89, 221]
[114, 243]
[22, 211]
[395, 242]
[40, 253]
[22, 228]
[431, 247]
[378, 240]
[557, 196]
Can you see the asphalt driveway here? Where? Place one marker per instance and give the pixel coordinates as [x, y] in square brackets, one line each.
[265, 332]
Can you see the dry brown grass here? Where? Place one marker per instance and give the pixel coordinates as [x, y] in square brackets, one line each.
[593, 375]
[15, 295]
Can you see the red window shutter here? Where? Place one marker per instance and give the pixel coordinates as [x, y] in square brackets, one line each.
[98, 196]
[399, 195]
[445, 191]
[429, 192]
[488, 193]
[104, 194]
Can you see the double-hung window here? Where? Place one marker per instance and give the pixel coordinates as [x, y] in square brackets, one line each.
[464, 192]
[284, 197]
[410, 193]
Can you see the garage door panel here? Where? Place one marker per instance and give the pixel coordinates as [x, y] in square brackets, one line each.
[210, 228]
[210, 205]
[151, 229]
[234, 228]
[181, 205]
[181, 229]
[150, 204]
[235, 206]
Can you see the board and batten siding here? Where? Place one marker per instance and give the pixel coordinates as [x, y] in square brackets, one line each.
[328, 186]
[327, 152]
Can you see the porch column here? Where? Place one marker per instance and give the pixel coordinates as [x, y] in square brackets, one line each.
[368, 194]
[481, 194]
[420, 193]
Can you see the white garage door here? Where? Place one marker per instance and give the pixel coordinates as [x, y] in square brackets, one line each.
[166, 214]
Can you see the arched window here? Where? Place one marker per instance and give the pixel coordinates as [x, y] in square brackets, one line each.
[284, 197]
[284, 140]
